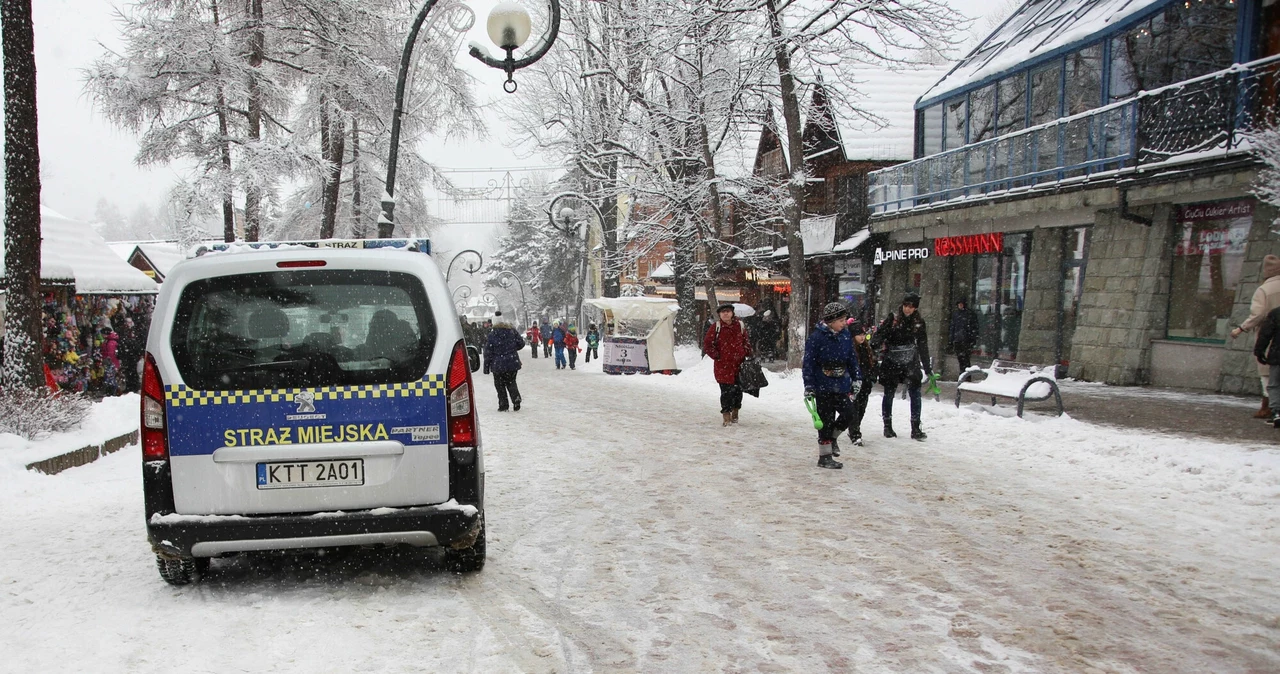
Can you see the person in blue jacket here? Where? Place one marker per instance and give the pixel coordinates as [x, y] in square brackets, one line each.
[832, 377]
[557, 338]
[502, 359]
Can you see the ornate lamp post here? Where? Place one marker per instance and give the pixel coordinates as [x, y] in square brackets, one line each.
[570, 227]
[504, 282]
[508, 27]
[472, 266]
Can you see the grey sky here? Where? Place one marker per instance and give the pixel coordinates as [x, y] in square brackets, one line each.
[84, 159]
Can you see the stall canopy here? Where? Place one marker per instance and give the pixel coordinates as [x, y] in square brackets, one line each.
[154, 258]
[72, 254]
[651, 319]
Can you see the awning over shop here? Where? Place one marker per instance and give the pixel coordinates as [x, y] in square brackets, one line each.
[71, 253]
[851, 244]
[722, 294]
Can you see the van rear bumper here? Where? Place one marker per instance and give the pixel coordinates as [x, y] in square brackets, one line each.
[449, 525]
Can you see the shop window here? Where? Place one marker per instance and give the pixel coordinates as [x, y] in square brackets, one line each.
[982, 108]
[1012, 112]
[1046, 93]
[1084, 80]
[996, 287]
[932, 132]
[956, 112]
[1075, 257]
[1185, 41]
[1207, 259]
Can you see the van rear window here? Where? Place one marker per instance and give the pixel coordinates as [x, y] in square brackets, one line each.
[306, 328]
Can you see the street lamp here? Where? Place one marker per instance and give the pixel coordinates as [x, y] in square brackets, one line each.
[504, 282]
[509, 27]
[570, 229]
[471, 269]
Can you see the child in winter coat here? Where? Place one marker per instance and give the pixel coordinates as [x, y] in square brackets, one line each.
[557, 340]
[866, 363]
[593, 342]
[832, 375]
[571, 346]
[534, 336]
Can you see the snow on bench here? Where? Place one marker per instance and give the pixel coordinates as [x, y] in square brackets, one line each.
[1018, 381]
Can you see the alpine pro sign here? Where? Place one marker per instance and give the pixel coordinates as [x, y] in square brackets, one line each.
[901, 255]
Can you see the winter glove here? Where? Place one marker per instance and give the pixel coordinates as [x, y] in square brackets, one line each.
[808, 392]
[855, 388]
[1263, 360]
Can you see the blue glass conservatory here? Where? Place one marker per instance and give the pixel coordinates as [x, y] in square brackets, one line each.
[1066, 90]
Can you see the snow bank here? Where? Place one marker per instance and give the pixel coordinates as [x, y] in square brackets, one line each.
[108, 419]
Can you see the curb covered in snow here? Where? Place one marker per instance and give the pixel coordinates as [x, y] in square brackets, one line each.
[84, 455]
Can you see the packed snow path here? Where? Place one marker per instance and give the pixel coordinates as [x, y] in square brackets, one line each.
[629, 532]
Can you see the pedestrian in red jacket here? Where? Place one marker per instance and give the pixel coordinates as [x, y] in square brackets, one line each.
[728, 344]
[571, 345]
[534, 337]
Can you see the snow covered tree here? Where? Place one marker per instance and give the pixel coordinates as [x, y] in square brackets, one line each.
[23, 323]
[544, 257]
[806, 38]
[1267, 144]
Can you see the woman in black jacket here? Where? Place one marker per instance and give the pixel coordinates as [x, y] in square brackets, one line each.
[904, 351]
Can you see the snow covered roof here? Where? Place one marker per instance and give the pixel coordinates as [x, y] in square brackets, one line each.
[851, 244]
[663, 270]
[1037, 30]
[162, 256]
[72, 252]
[636, 308]
[890, 96]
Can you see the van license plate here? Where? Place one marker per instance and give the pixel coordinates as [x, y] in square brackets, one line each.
[342, 473]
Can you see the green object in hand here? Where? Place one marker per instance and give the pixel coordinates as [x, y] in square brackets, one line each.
[932, 386]
[812, 405]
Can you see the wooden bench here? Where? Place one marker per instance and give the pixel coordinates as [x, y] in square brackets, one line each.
[1022, 382]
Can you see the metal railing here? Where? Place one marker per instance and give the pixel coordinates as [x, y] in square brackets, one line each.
[1206, 116]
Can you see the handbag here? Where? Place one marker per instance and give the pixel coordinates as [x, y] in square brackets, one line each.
[902, 357]
[751, 377]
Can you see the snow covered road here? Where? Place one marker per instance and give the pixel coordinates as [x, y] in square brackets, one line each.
[629, 532]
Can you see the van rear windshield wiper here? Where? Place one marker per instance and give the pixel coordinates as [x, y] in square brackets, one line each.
[273, 365]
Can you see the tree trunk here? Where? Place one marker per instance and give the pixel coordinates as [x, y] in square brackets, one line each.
[257, 49]
[797, 311]
[357, 224]
[687, 327]
[23, 318]
[333, 137]
[610, 274]
[224, 148]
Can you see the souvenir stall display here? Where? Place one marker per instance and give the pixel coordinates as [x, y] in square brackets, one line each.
[639, 335]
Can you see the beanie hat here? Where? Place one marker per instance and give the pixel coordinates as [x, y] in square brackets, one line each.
[911, 299]
[497, 313]
[834, 310]
[1270, 266]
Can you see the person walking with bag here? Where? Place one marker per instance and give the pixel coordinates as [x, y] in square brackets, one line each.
[593, 343]
[832, 377]
[728, 345]
[1267, 351]
[904, 347]
[502, 359]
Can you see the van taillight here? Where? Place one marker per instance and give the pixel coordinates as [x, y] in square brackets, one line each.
[462, 418]
[155, 443]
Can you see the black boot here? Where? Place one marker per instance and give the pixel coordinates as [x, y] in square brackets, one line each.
[888, 428]
[855, 437]
[916, 433]
[515, 404]
[835, 448]
[826, 461]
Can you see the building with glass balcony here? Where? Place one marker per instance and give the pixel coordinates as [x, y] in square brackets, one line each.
[1083, 179]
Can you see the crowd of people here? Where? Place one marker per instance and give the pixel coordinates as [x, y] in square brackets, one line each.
[94, 343]
[502, 343]
[842, 360]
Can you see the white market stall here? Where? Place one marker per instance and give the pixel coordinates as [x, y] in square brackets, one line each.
[640, 334]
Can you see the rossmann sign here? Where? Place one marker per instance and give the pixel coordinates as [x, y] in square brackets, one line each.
[976, 244]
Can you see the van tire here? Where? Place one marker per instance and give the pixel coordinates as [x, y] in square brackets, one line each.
[181, 571]
[469, 559]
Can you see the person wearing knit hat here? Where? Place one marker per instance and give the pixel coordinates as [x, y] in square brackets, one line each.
[728, 344]
[1265, 300]
[832, 375]
[866, 363]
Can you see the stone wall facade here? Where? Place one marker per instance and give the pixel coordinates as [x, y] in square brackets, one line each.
[1124, 308]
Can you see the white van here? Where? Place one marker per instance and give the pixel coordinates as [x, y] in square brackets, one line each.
[309, 397]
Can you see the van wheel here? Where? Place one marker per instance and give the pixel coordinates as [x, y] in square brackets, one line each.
[467, 560]
[182, 571]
